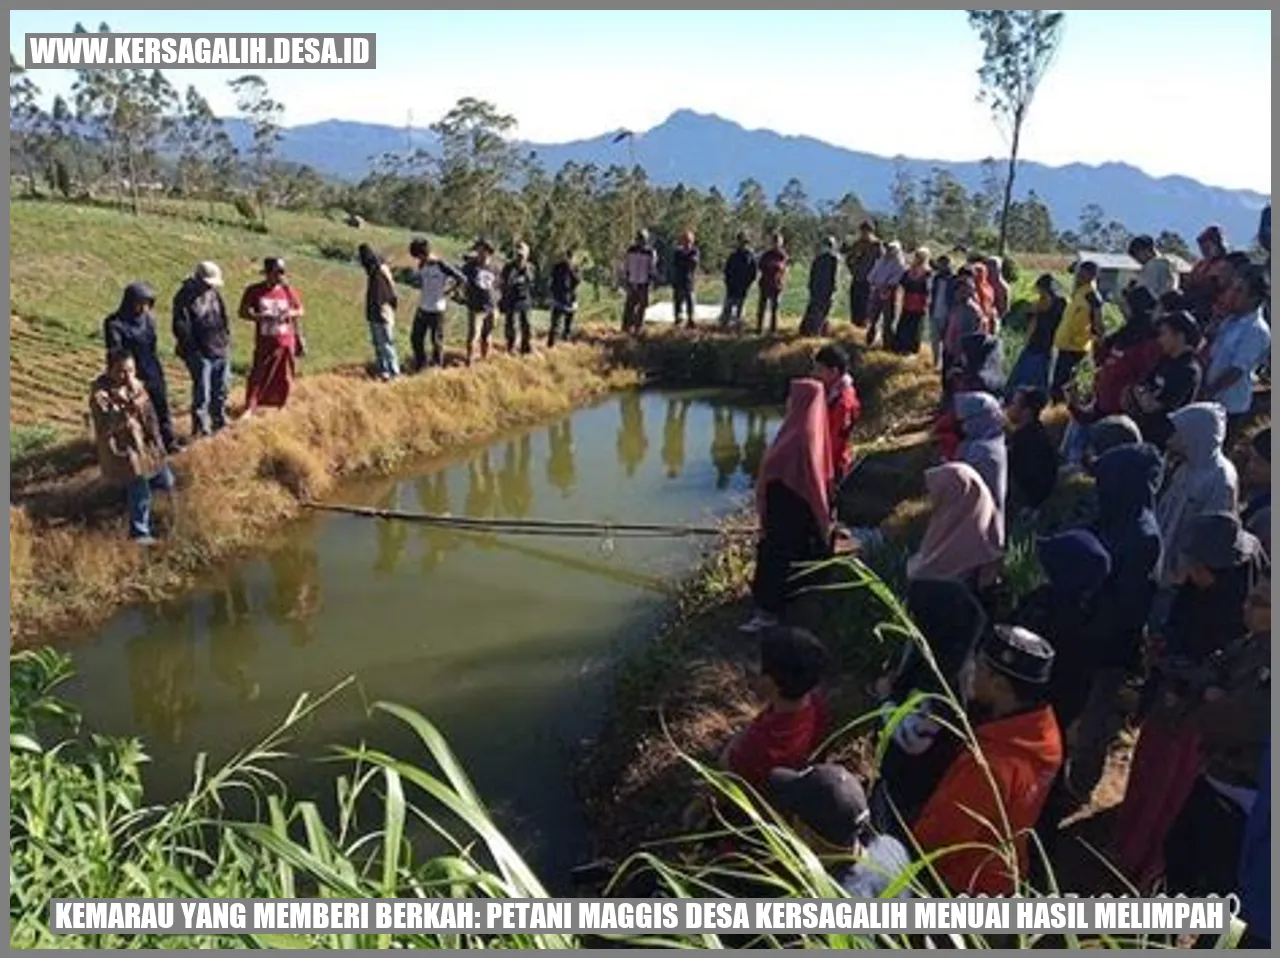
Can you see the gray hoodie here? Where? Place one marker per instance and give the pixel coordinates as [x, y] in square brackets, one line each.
[983, 445]
[1205, 481]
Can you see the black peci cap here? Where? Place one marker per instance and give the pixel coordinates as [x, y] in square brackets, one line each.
[1019, 653]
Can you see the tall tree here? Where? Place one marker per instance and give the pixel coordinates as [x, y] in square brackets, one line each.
[1092, 226]
[1018, 48]
[1170, 241]
[795, 217]
[751, 206]
[1031, 226]
[264, 114]
[477, 160]
[202, 144]
[28, 126]
[909, 221]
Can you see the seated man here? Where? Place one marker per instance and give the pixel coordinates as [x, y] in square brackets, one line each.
[1033, 460]
[825, 805]
[1005, 690]
[795, 720]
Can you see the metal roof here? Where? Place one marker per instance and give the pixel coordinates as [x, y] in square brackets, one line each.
[1123, 262]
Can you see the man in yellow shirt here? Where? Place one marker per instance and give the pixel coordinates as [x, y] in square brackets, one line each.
[1081, 324]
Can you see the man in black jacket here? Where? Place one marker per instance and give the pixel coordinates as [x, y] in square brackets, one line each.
[202, 331]
[739, 273]
[1033, 458]
[822, 288]
[564, 297]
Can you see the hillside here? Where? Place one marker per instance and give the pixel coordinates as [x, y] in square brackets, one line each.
[705, 150]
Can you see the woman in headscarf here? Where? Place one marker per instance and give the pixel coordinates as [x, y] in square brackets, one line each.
[982, 443]
[986, 296]
[979, 368]
[999, 288]
[380, 301]
[964, 539]
[884, 279]
[1204, 481]
[915, 302]
[132, 329]
[1222, 563]
[1210, 277]
[1128, 478]
[275, 309]
[792, 501]
[951, 621]
[964, 318]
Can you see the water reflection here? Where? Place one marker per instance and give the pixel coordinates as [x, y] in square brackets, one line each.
[233, 638]
[162, 672]
[756, 443]
[560, 470]
[725, 451]
[295, 600]
[515, 484]
[673, 432]
[482, 494]
[633, 444]
[392, 535]
[433, 498]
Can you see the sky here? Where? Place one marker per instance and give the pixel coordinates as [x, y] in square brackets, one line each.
[890, 83]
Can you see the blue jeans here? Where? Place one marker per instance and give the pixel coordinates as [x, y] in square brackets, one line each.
[138, 494]
[1031, 370]
[210, 382]
[384, 348]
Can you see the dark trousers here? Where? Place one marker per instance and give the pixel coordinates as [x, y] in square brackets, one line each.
[210, 378]
[682, 302]
[768, 301]
[883, 316]
[815, 316]
[734, 301]
[427, 323]
[859, 297]
[518, 316]
[633, 309]
[561, 323]
[906, 336]
[158, 393]
[1063, 370]
[1202, 850]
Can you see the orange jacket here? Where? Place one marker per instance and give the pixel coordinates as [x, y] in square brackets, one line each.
[1024, 753]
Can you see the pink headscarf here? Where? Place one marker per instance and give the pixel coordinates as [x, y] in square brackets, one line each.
[966, 531]
[800, 455]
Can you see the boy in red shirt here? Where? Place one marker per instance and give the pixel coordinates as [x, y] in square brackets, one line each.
[794, 723]
[831, 366]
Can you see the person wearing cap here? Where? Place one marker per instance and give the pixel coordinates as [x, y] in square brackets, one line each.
[822, 288]
[132, 329]
[1229, 709]
[516, 302]
[130, 446]
[1157, 274]
[565, 280]
[275, 309]
[1172, 384]
[380, 302]
[1209, 277]
[202, 332]
[826, 806]
[860, 257]
[740, 271]
[1081, 323]
[435, 280]
[685, 259]
[940, 292]
[1005, 688]
[482, 282]
[773, 278]
[639, 273]
[796, 717]
[1240, 346]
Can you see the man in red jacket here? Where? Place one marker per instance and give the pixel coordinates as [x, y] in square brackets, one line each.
[831, 366]
[1005, 686]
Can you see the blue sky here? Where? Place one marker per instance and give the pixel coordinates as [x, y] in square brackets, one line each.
[886, 82]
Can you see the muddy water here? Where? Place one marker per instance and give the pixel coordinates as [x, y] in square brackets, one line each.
[506, 643]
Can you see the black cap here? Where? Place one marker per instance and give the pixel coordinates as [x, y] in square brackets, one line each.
[1019, 653]
[273, 263]
[827, 798]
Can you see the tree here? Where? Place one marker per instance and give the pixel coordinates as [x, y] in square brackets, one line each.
[949, 208]
[1091, 226]
[1115, 237]
[1018, 48]
[27, 122]
[264, 115]
[476, 162]
[1170, 241]
[1031, 226]
[909, 220]
[794, 215]
[751, 206]
[202, 146]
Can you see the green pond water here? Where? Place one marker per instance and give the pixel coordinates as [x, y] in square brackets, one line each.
[508, 644]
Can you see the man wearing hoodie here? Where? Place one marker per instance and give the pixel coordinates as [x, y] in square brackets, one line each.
[132, 329]
[982, 444]
[202, 332]
[740, 271]
[639, 272]
[822, 288]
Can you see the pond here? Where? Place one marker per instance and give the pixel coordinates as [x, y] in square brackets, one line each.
[506, 643]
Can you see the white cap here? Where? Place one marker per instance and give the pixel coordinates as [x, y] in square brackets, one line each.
[210, 272]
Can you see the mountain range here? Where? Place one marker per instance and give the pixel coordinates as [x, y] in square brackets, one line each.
[705, 151]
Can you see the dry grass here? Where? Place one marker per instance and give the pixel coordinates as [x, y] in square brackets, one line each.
[72, 569]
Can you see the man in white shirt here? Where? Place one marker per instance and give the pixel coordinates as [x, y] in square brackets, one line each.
[1240, 346]
[639, 272]
[1157, 273]
[435, 278]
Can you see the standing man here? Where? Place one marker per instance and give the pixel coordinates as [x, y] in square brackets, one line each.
[773, 278]
[435, 278]
[132, 329]
[517, 300]
[380, 302]
[861, 256]
[564, 296]
[740, 272]
[1081, 325]
[1157, 273]
[481, 282]
[822, 288]
[639, 273]
[685, 260]
[1241, 346]
[202, 331]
